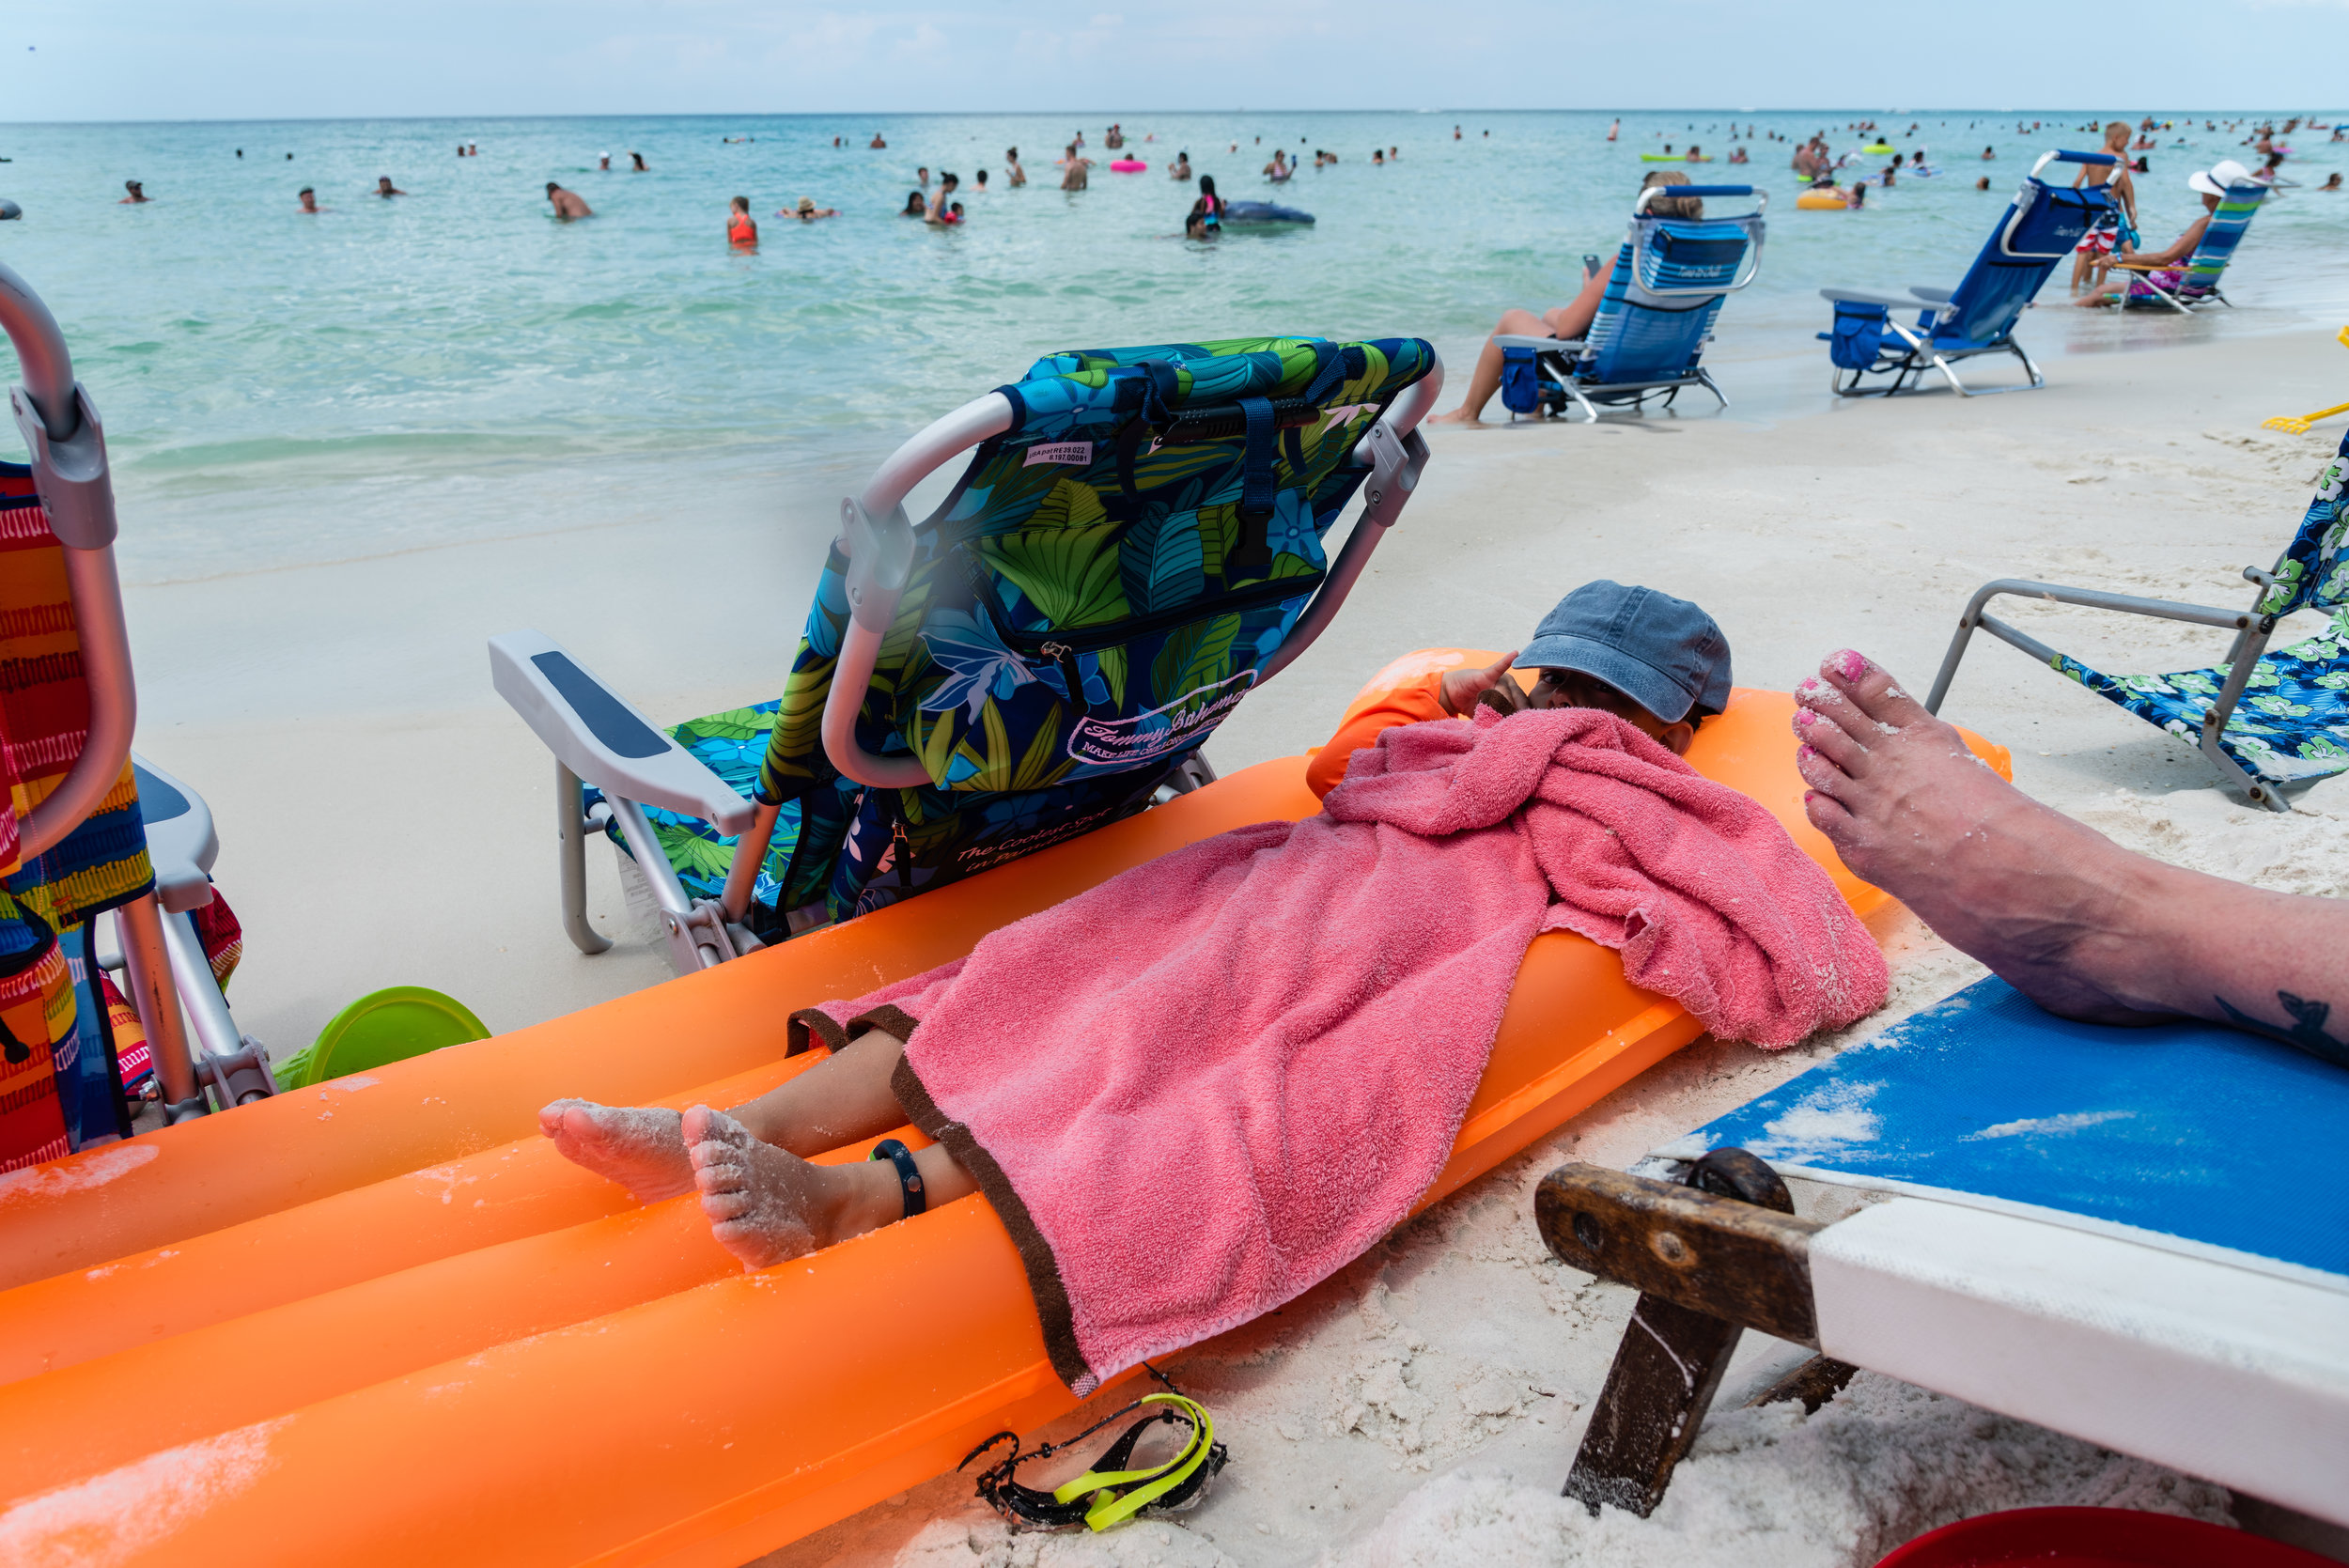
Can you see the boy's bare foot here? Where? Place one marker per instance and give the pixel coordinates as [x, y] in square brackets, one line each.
[765, 1206]
[1458, 416]
[638, 1148]
[2052, 906]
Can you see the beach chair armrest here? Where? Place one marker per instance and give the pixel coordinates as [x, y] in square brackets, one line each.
[1932, 295]
[1539, 345]
[1875, 297]
[602, 739]
[2096, 598]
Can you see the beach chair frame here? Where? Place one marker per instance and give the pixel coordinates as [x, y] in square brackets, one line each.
[202, 1060]
[2252, 628]
[1559, 358]
[602, 741]
[2311, 573]
[1916, 349]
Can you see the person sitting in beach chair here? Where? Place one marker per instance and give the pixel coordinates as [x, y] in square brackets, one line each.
[2042, 226]
[1659, 663]
[1636, 331]
[2185, 274]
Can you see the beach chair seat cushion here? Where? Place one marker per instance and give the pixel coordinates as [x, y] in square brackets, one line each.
[2292, 722]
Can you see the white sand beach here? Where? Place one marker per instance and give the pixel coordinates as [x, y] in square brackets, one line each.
[384, 819]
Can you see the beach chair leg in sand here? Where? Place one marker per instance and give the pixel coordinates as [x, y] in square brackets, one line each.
[1711, 1258]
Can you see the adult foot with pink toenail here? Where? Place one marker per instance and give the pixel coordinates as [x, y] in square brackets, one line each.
[2085, 928]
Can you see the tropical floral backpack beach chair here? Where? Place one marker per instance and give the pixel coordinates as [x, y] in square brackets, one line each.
[2265, 719]
[1136, 544]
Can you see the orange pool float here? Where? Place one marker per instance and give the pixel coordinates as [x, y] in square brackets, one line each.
[379, 1322]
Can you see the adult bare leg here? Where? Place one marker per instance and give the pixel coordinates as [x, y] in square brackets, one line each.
[644, 1148]
[2082, 926]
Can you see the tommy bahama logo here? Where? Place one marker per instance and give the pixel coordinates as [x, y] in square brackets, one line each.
[1123, 742]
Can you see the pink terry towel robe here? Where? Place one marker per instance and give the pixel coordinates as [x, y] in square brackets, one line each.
[1200, 1088]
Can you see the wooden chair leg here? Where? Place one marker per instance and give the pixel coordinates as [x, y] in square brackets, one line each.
[1671, 1361]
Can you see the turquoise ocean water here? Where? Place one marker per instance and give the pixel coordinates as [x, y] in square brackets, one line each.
[280, 387]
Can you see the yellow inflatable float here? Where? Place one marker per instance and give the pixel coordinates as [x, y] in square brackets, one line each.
[378, 1322]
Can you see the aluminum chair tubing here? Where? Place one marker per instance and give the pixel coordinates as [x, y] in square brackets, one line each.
[2056, 593]
[146, 967]
[571, 828]
[40, 353]
[215, 1029]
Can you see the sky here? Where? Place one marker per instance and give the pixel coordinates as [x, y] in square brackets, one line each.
[268, 60]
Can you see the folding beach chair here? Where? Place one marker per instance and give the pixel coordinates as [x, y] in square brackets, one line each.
[1655, 319]
[2197, 281]
[88, 831]
[2265, 719]
[2039, 229]
[1136, 544]
[2082, 1226]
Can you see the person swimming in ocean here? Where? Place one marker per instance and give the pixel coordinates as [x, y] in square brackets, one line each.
[943, 204]
[1278, 168]
[138, 194]
[1075, 176]
[916, 206]
[741, 228]
[807, 212]
[567, 204]
[383, 187]
[1013, 172]
[309, 200]
[642, 167]
[1181, 169]
[1205, 219]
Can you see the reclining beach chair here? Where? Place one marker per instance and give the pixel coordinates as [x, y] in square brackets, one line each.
[2078, 1225]
[90, 830]
[1654, 319]
[2039, 229]
[2197, 281]
[2265, 719]
[1136, 544]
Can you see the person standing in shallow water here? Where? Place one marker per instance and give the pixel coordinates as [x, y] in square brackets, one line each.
[138, 194]
[741, 228]
[567, 204]
[1075, 178]
[1013, 172]
[309, 199]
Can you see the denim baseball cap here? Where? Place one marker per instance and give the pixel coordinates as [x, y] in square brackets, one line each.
[1663, 653]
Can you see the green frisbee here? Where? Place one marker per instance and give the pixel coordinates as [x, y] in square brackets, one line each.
[381, 1027]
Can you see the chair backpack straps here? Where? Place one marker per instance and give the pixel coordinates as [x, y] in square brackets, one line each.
[1158, 383]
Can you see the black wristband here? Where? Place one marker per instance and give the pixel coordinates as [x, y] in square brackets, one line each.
[909, 1173]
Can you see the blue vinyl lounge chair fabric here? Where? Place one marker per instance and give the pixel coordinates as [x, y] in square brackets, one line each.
[2039, 229]
[2171, 1131]
[2107, 1231]
[2287, 718]
[1107, 580]
[1670, 278]
[2197, 281]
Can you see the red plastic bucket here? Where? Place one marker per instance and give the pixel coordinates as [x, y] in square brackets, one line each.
[2096, 1537]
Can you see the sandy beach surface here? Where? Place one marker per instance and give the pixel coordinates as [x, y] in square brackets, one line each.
[385, 820]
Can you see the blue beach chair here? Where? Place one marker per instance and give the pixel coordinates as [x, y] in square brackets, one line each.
[1655, 319]
[2039, 229]
[2100, 1230]
[2197, 281]
[2263, 718]
[1135, 545]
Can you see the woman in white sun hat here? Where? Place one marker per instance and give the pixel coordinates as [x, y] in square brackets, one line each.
[2211, 185]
